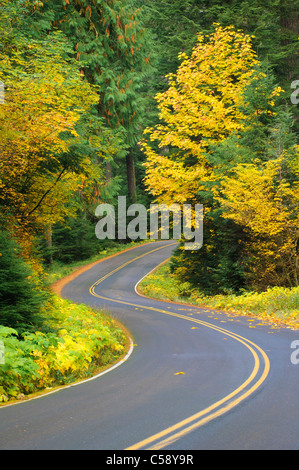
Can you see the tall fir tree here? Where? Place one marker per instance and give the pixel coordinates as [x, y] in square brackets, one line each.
[110, 43]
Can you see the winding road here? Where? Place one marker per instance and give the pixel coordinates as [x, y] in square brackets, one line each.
[193, 379]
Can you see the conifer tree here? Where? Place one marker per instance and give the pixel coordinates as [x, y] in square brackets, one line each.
[109, 42]
[22, 294]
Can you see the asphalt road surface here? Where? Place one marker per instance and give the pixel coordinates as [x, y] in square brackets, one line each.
[193, 379]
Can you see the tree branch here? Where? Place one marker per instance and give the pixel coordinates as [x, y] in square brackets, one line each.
[47, 192]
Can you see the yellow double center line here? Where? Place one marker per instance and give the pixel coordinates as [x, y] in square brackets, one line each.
[259, 373]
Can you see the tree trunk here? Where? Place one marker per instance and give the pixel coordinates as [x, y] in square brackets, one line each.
[289, 20]
[131, 177]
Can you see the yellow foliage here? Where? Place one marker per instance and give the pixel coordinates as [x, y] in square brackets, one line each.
[252, 198]
[44, 101]
[202, 106]
[258, 198]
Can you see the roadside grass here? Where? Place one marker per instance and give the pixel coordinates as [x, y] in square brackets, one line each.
[278, 305]
[75, 343]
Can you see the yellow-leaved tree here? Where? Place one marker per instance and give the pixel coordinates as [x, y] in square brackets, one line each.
[202, 107]
[45, 101]
[260, 198]
[223, 141]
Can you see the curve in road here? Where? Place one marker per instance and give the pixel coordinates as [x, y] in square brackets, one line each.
[186, 370]
[261, 367]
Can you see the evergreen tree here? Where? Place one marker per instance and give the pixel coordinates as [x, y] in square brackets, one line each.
[218, 267]
[110, 44]
[22, 294]
[74, 239]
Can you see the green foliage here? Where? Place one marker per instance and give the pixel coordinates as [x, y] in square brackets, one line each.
[81, 341]
[95, 66]
[22, 294]
[57, 270]
[277, 302]
[174, 25]
[199, 147]
[19, 371]
[218, 266]
[74, 239]
[110, 44]
[48, 147]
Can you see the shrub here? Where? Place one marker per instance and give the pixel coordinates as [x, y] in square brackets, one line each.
[79, 341]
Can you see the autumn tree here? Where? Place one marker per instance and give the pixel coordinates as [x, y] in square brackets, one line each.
[216, 113]
[263, 198]
[201, 108]
[45, 104]
[51, 141]
[273, 25]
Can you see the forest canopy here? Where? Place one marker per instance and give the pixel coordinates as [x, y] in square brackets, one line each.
[165, 101]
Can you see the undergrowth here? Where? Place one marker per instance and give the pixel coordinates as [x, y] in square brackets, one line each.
[73, 342]
[278, 304]
[79, 341]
